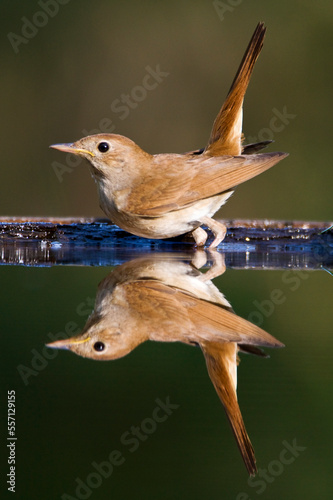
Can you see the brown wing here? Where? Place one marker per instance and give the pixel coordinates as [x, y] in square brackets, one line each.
[221, 366]
[226, 135]
[176, 181]
[174, 315]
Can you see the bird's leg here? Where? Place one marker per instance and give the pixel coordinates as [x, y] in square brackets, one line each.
[218, 265]
[200, 236]
[199, 259]
[219, 230]
[217, 268]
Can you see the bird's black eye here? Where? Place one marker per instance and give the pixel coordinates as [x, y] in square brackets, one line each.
[99, 346]
[103, 147]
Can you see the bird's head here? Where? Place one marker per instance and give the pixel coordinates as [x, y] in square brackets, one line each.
[105, 151]
[99, 344]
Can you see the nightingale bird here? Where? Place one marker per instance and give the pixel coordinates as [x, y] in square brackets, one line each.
[165, 195]
[165, 300]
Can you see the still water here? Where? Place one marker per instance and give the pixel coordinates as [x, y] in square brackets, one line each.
[134, 411]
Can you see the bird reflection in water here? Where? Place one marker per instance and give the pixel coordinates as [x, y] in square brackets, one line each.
[167, 300]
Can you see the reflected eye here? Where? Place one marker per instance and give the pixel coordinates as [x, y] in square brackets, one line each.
[103, 147]
[99, 346]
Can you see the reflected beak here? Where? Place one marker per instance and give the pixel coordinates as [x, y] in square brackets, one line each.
[70, 148]
[59, 344]
[65, 343]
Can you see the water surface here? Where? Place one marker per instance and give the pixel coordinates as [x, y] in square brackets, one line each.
[73, 413]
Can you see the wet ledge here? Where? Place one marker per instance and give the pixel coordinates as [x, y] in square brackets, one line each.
[263, 244]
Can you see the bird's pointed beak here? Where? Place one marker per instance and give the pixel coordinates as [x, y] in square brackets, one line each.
[66, 343]
[59, 344]
[70, 148]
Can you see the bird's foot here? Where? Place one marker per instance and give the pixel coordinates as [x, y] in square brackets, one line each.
[217, 267]
[200, 236]
[218, 229]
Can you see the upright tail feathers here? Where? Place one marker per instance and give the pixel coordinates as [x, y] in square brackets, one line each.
[226, 135]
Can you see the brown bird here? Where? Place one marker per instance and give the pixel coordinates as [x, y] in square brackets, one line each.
[165, 300]
[165, 195]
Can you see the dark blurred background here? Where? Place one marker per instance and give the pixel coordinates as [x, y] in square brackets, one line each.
[62, 81]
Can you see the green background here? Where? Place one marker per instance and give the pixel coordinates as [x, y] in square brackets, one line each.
[73, 412]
